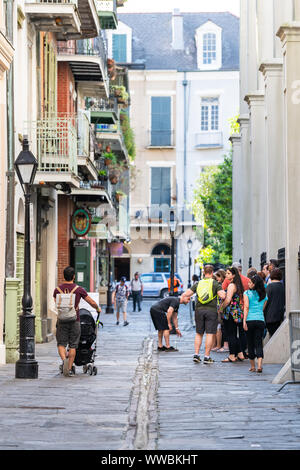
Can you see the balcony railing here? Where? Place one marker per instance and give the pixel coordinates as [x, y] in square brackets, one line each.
[89, 47]
[161, 138]
[105, 185]
[83, 135]
[56, 143]
[210, 139]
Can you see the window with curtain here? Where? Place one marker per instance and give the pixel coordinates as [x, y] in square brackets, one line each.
[119, 47]
[210, 114]
[161, 121]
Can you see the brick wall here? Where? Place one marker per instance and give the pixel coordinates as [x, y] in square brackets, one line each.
[65, 210]
[65, 89]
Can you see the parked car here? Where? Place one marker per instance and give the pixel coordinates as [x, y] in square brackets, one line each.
[156, 284]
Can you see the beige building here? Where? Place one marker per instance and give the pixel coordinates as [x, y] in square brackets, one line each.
[6, 56]
[266, 165]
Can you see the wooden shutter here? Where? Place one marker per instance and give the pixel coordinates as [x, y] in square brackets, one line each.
[161, 186]
[120, 47]
[161, 120]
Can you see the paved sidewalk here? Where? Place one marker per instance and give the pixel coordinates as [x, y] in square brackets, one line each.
[142, 399]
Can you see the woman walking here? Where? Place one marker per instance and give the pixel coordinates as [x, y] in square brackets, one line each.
[220, 336]
[232, 314]
[255, 300]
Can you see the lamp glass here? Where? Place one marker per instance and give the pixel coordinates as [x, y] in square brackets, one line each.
[189, 244]
[26, 173]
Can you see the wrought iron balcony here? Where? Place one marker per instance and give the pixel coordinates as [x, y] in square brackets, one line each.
[104, 111]
[54, 140]
[207, 140]
[87, 59]
[107, 12]
[58, 16]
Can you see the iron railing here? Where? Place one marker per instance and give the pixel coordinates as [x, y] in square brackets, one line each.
[57, 2]
[209, 139]
[102, 104]
[56, 143]
[83, 134]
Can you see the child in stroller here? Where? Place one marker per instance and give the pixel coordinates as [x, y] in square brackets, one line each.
[86, 351]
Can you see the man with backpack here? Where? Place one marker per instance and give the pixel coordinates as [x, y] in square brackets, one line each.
[67, 297]
[206, 316]
[119, 298]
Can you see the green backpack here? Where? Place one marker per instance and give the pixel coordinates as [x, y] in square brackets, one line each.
[205, 291]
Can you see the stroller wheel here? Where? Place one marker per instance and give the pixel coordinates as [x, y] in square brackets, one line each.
[90, 369]
[85, 369]
[95, 370]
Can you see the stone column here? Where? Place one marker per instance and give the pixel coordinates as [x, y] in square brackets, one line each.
[237, 201]
[257, 191]
[290, 38]
[245, 185]
[275, 180]
[265, 33]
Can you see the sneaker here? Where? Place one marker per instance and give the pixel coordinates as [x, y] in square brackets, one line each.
[71, 373]
[126, 323]
[171, 349]
[208, 360]
[117, 323]
[196, 358]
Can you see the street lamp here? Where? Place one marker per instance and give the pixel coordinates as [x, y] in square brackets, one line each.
[172, 232]
[26, 366]
[189, 246]
[109, 305]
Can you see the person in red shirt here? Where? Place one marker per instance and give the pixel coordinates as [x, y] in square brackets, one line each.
[244, 279]
[68, 333]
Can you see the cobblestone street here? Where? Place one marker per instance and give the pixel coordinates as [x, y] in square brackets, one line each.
[144, 400]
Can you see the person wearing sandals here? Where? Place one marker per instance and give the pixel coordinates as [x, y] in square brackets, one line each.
[162, 313]
[231, 311]
[255, 300]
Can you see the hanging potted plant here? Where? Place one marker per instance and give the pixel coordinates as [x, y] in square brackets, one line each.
[110, 159]
[102, 175]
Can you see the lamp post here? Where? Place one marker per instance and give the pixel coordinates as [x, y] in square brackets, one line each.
[26, 366]
[172, 232]
[189, 246]
[109, 305]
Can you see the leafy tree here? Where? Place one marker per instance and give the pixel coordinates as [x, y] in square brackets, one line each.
[213, 206]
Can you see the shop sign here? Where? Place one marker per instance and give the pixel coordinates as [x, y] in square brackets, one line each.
[81, 222]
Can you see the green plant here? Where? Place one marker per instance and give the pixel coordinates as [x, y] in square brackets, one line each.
[102, 173]
[110, 156]
[128, 134]
[120, 92]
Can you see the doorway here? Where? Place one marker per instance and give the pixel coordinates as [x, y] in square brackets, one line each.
[122, 268]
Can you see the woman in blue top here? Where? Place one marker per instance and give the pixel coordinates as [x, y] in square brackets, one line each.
[255, 300]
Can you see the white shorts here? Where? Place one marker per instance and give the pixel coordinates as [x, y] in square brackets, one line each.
[121, 305]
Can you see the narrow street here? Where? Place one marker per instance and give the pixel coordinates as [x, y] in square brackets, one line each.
[144, 400]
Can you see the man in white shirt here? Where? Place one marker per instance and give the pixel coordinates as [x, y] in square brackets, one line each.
[137, 291]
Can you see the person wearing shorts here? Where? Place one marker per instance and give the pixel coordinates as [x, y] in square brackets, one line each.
[120, 297]
[162, 313]
[206, 317]
[68, 333]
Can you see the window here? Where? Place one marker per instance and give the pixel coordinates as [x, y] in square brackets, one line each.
[209, 114]
[162, 265]
[209, 48]
[161, 121]
[119, 47]
[147, 278]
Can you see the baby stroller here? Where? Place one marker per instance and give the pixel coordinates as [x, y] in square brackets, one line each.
[86, 351]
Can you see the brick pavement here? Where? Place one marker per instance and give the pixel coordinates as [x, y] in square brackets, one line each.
[144, 400]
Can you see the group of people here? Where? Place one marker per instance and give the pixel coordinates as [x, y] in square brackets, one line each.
[234, 311]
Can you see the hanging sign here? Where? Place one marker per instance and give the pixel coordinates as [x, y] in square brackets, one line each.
[81, 222]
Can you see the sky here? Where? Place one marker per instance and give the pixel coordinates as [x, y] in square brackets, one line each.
[232, 6]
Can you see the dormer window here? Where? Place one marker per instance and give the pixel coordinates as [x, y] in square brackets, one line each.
[209, 46]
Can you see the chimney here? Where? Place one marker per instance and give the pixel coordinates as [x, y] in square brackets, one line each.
[177, 30]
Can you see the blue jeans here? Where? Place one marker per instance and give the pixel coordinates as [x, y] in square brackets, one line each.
[136, 297]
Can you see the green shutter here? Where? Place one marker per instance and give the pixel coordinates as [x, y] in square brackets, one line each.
[161, 120]
[119, 45]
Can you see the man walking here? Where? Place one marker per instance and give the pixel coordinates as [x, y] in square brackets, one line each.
[68, 332]
[162, 313]
[206, 316]
[119, 298]
[137, 291]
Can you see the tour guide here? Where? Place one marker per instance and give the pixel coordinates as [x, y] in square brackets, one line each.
[162, 313]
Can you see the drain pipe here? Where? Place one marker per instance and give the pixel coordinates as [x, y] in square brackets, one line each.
[10, 207]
